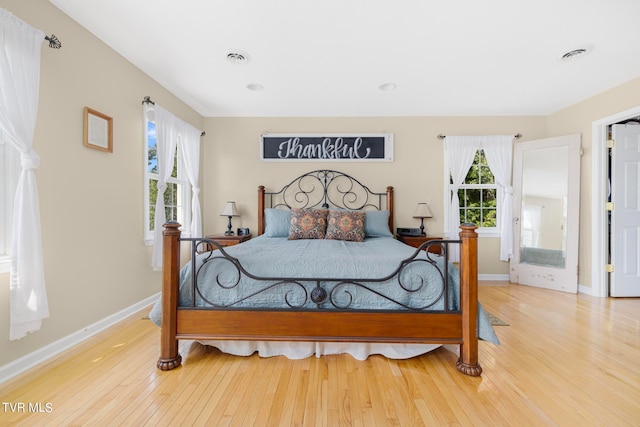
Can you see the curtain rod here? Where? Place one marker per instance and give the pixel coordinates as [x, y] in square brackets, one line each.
[517, 135]
[54, 42]
[147, 100]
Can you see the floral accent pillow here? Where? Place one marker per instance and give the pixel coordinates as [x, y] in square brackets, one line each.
[308, 224]
[345, 225]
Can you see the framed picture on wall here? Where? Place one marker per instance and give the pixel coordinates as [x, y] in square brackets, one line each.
[98, 130]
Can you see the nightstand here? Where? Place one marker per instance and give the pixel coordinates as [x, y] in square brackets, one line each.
[416, 241]
[224, 240]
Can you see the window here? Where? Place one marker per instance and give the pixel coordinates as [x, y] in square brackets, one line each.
[9, 174]
[178, 193]
[479, 196]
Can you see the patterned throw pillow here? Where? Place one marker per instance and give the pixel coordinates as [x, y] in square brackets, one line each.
[308, 224]
[345, 225]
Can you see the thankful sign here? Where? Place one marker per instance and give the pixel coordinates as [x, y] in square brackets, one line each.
[328, 147]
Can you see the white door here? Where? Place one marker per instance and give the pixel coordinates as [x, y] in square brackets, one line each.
[624, 281]
[546, 205]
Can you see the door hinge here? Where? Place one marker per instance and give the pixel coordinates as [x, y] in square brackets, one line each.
[609, 268]
[610, 143]
[609, 206]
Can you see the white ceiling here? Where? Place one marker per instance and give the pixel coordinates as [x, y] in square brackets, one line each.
[328, 57]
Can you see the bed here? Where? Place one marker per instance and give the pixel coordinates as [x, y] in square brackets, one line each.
[297, 291]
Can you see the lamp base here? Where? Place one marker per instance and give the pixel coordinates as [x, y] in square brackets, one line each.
[229, 232]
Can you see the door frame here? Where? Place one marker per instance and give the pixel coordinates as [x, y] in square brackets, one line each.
[599, 189]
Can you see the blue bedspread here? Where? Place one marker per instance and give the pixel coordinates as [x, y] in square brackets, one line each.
[420, 284]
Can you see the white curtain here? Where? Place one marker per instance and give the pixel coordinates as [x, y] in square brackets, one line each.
[171, 131]
[460, 151]
[498, 149]
[20, 48]
[189, 143]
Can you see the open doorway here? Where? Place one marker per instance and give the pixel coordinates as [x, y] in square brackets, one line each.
[601, 254]
[623, 208]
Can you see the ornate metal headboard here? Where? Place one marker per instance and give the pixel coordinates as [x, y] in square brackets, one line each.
[324, 188]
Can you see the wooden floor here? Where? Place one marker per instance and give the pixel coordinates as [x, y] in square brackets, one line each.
[568, 360]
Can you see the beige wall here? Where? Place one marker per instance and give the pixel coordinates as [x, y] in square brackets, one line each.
[232, 169]
[91, 202]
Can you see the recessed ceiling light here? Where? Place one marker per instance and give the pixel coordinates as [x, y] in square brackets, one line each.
[577, 52]
[237, 57]
[387, 86]
[256, 87]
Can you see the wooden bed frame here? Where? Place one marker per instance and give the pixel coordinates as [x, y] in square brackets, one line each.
[424, 327]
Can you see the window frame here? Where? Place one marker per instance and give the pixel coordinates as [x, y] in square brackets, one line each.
[9, 176]
[183, 203]
[483, 231]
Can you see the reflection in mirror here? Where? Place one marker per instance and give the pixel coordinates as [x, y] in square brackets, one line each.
[545, 181]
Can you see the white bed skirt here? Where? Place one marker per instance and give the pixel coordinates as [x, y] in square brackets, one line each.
[302, 350]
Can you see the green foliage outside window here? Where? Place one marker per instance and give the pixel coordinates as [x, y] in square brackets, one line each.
[478, 204]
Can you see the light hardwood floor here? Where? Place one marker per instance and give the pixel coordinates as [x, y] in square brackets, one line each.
[568, 360]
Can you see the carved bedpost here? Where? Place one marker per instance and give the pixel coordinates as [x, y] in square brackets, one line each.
[260, 209]
[390, 207]
[169, 356]
[468, 361]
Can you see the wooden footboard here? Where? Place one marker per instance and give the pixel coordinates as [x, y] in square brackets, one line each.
[290, 325]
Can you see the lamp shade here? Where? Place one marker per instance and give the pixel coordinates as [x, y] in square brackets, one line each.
[423, 211]
[230, 210]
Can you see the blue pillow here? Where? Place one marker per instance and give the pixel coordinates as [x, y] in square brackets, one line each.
[376, 224]
[278, 222]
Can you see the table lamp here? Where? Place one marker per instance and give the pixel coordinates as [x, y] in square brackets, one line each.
[422, 212]
[229, 211]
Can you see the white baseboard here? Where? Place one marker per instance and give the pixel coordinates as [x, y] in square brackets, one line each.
[582, 289]
[587, 290]
[47, 352]
[498, 277]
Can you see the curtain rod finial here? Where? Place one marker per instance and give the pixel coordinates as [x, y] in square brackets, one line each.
[54, 42]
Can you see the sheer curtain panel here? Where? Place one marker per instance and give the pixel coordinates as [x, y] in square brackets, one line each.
[171, 131]
[20, 48]
[460, 151]
[167, 141]
[189, 142]
[498, 149]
